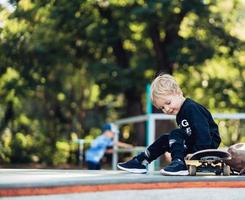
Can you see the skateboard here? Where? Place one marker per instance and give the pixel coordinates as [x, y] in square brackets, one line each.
[209, 161]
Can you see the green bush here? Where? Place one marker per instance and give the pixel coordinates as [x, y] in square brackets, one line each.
[22, 148]
[5, 146]
[62, 153]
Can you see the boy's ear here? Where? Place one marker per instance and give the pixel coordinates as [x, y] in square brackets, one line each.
[179, 93]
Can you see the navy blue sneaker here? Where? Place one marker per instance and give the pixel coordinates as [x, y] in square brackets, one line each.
[176, 168]
[133, 166]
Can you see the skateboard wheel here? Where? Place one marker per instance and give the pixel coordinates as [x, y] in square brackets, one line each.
[192, 170]
[226, 170]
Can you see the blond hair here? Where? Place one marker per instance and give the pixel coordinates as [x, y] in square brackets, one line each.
[163, 85]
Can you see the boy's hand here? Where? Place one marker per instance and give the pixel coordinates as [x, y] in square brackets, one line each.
[109, 151]
[124, 145]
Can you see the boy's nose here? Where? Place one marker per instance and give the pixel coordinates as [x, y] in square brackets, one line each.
[166, 109]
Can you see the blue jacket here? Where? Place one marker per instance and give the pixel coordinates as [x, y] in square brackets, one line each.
[98, 148]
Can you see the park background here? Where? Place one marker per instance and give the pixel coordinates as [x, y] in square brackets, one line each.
[67, 67]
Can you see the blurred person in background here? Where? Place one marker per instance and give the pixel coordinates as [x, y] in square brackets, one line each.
[100, 145]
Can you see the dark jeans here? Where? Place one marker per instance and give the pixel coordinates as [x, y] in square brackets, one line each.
[177, 143]
[93, 165]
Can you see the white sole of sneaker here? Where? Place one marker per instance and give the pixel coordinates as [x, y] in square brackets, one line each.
[136, 171]
[179, 173]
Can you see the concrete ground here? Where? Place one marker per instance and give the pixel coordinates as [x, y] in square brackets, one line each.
[107, 184]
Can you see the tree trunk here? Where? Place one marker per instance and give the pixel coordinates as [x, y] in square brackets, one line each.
[134, 108]
[132, 95]
[8, 116]
[163, 63]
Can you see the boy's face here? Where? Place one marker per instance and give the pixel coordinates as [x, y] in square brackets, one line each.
[170, 104]
[109, 134]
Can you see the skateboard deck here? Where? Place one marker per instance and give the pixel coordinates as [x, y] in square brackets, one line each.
[208, 161]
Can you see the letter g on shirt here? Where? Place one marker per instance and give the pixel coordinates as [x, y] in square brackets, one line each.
[184, 123]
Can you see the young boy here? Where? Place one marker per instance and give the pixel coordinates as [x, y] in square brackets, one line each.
[99, 146]
[197, 129]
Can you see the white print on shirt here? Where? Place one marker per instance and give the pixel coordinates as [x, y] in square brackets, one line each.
[171, 142]
[188, 131]
[185, 125]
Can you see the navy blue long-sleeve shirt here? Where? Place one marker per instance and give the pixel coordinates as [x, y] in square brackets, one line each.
[198, 123]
